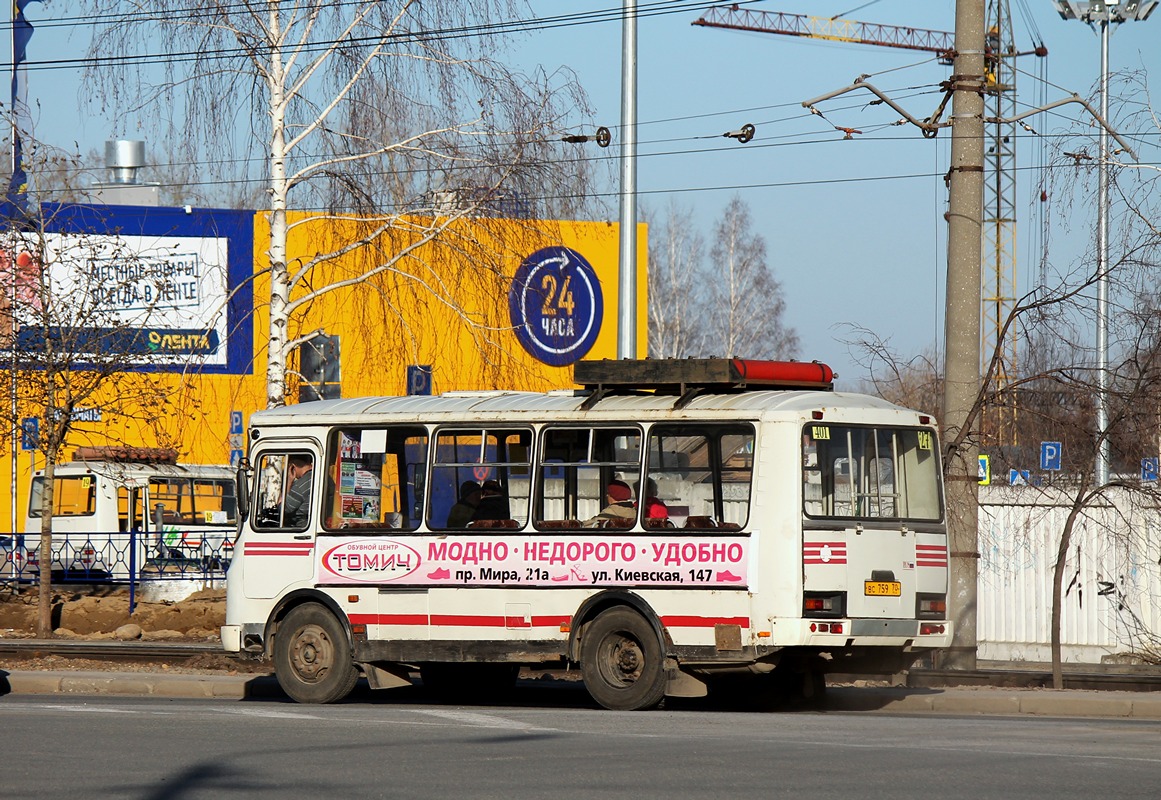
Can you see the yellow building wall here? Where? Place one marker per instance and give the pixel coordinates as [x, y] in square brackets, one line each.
[441, 303]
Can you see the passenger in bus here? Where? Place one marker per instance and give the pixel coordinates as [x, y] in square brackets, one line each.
[652, 506]
[493, 503]
[619, 505]
[296, 508]
[461, 513]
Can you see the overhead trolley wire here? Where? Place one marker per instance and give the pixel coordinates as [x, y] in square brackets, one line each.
[505, 27]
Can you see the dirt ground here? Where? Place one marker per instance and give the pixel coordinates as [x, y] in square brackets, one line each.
[99, 613]
[103, 614]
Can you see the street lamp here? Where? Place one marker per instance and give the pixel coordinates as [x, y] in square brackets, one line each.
[1103, 13]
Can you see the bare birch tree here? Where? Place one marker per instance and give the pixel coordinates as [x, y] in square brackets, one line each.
[747, 308]
[730, 305]
[398, 112]
[75, 329]
[677, 286]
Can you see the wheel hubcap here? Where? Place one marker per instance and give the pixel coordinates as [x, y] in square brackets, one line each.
[624, 661]
[312, 653]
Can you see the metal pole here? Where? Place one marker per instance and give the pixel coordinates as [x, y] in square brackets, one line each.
[1102, 340]
[627, 274]
[16, 431]
[962, 321]
[12, 289]
[132, 567]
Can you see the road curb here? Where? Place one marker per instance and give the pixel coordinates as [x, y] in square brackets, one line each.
[1030, 702]
[227, 687]
[899, 700]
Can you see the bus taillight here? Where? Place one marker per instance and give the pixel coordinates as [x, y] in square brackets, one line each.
[929, 628]
[930, 606]
[824, 604]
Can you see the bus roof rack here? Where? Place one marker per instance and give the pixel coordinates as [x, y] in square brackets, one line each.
[689, 377]
[125, 454]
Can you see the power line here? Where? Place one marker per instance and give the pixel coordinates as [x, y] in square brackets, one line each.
[506, 27]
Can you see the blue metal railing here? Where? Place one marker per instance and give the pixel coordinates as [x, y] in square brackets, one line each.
[118, 558]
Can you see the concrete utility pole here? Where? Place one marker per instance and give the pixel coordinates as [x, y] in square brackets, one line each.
[962, 320]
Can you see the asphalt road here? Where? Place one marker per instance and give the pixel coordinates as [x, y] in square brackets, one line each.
[64, 746]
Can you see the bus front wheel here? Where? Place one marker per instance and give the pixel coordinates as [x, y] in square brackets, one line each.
[622, 661]
[312, 658]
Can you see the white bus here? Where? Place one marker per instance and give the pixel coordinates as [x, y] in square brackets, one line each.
[174, 511]
[764, 525]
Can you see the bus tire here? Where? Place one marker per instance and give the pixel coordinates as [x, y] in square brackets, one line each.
[312, 657]
[622, 661]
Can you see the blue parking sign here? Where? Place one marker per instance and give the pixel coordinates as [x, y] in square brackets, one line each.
[1050, 456]
[30, 433]
[419, 379]
[1149, 468]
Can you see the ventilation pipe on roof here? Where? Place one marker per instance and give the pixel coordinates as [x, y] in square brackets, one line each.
[124, 157]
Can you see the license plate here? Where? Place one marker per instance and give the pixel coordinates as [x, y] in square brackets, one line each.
[882, 588]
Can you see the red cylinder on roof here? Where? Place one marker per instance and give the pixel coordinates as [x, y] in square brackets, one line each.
[783, 371]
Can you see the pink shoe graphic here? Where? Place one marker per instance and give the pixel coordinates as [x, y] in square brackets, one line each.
[440, 574]
[729, 576]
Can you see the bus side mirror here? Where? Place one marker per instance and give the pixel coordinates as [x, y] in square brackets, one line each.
[242, 488]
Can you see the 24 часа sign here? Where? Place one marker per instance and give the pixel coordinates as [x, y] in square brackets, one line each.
[556, 306]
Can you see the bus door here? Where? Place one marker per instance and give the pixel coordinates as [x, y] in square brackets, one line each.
[874, 516]
[279, 544]
[134, 521]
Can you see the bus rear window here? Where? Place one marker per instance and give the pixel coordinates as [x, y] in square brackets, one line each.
[871, 473]
[193, 501]
[73, 496]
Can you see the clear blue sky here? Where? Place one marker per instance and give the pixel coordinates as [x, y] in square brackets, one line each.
[850, 240]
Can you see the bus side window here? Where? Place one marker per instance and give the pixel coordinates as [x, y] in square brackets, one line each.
[702, 475]
[480, 478]
[576, 466]
[374, 478]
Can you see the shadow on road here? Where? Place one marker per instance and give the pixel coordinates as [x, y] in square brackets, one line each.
[551, 691]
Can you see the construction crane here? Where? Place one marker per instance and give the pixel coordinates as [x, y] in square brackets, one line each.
[999, 223]
[836, 30]
[998, 293]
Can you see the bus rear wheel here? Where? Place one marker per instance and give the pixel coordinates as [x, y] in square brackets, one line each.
[622, 661]
[312, 658]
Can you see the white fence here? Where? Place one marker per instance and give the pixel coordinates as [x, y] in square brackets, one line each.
[1112, 579]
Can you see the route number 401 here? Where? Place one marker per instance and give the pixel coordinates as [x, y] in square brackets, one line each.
[554, 300]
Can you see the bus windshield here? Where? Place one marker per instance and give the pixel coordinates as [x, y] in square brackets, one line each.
[73, 496]
[866, 472]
